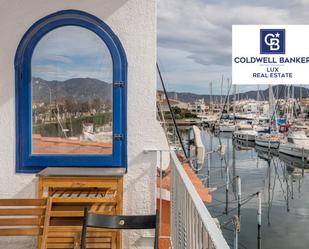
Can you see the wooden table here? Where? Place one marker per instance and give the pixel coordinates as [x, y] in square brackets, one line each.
[72, 189]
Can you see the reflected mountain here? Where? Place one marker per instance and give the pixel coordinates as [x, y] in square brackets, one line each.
[81, 89]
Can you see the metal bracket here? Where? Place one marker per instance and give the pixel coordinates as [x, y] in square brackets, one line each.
[118, 137]
[119, 84]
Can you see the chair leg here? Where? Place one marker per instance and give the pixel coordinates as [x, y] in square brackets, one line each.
[156, 240]
[156, 243]
[84, 230]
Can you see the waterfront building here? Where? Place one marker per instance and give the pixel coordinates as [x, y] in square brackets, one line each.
[198, 107]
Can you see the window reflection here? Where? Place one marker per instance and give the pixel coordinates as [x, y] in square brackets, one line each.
[71, 93]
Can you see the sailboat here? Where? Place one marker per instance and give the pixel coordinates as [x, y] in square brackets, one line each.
[268, 140]
[226, 125]
[271, 140]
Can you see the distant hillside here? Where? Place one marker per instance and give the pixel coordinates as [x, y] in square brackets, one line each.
[191, 97]
[82, 89]
[85, 89]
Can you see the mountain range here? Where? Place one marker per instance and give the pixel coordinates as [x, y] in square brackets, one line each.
[81, 89]
[85, 89]
[263, 94]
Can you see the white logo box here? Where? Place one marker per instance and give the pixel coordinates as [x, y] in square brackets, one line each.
[292, 67]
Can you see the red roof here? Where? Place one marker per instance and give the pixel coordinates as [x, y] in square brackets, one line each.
[57, 145]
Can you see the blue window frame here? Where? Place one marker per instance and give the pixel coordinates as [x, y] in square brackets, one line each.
[26, 162]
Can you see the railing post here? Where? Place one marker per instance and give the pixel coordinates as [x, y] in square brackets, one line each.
[259, 220]
[161, 202]
[161, 186]
[236, 223]
[303, 162]
[192, 225]
[238, 195]
[227, 182]
[208, 170]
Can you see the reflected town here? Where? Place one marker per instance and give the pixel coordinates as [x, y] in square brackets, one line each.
[72, 110]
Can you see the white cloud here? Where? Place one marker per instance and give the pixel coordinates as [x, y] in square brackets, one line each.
[194, 36]
[52, 72]
[70, 41]
[72, 52]
[301, 2]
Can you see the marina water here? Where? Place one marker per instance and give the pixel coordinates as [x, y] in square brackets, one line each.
[282, 182]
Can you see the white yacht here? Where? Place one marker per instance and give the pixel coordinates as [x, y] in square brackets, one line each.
[245, 132]
[208, 120]
[225, 126]
[297, 145]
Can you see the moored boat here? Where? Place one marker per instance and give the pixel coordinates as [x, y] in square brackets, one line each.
[247, 135]
[245, 132]
[297, 145]
[225, 126]
[268, 140]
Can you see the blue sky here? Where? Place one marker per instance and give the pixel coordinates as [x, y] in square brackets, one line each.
[71, 52]
[195, 37]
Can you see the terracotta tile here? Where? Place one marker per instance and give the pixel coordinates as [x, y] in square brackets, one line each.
[56, 145]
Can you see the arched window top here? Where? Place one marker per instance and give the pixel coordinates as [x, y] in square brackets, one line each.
[72, 52]
[49, 110]
[71, 18]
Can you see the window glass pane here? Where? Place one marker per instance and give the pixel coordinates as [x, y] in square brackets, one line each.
[72, 75]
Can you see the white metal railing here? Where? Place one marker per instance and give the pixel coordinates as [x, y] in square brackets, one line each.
[191, 224]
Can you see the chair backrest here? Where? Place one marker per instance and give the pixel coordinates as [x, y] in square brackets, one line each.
[22, 217]
[118, 222]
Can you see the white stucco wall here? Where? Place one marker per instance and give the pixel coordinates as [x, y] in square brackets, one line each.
[134, 22]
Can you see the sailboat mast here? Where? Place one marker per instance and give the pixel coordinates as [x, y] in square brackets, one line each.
[228, 95]
[287, 102]
[234, 103]
[210, 98]
[270, 97]
[221, 92]
[258, 102]
[293, 102]
[277, 92]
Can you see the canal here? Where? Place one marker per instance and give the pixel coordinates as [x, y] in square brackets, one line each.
[281, 180]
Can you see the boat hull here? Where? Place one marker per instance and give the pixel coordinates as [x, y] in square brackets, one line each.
[244, 136]
[294, 151]
[226, 128]
[267, 143]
